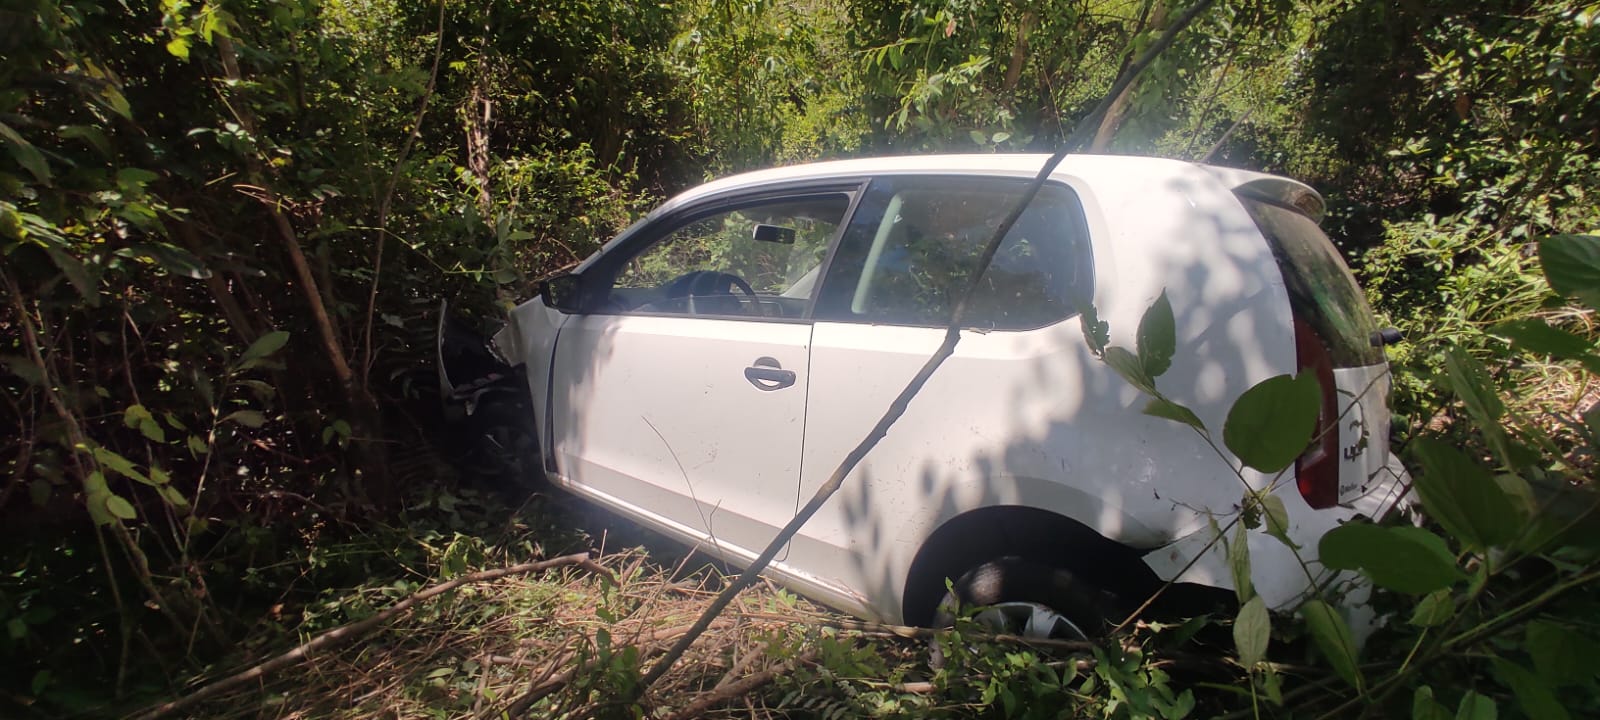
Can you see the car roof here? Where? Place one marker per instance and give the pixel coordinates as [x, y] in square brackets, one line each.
[1154, 170]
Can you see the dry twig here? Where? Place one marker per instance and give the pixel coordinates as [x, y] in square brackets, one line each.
[352, 631]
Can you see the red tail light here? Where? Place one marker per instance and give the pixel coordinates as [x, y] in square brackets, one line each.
[1317, 471]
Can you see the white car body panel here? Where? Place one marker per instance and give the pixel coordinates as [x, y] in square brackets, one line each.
[651, 415]
[657, 411]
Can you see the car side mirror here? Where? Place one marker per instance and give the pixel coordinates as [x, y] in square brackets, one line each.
[562, 292]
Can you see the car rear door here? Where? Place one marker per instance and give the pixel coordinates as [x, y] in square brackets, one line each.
[679, 398]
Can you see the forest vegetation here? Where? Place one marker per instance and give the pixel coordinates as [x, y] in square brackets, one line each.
[226, 225]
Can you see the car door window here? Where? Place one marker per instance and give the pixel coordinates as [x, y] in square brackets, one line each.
[760, 259]
[914, 243]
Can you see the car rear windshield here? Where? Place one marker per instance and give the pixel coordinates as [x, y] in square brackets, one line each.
[1321, 290]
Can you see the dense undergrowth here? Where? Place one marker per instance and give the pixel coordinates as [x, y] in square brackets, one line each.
[226, 227]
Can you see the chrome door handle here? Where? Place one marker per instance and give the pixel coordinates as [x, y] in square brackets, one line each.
[766, 374]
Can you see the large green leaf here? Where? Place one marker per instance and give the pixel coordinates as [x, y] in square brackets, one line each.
[265, 345]
[1476, 707]
[1333, 639]
[1270, 424]
[1562, 655]
[1252, 631]
[1537, 336]
[1405, 559]
[1572, 265]
[1533, 692]
[25, 154]
[1158, 337]
[1464, 498]
[1470, 381]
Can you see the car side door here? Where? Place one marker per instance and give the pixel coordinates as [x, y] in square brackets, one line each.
[678, 393]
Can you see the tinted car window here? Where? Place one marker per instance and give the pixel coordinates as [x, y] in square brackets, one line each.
[760, 259]
[1321, 290]
[913, 243]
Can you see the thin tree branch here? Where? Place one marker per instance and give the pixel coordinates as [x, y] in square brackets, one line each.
[1089, 124]
[365, 366]
[739, 688]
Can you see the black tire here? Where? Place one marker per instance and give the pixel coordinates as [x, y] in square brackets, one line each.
[1018, 580]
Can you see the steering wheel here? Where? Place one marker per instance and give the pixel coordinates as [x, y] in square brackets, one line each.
[708, 282]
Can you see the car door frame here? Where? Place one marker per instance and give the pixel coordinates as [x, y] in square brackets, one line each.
[599, 273]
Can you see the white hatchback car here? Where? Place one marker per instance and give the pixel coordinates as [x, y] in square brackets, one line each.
[707, 369]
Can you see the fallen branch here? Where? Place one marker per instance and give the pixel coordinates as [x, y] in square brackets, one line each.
[551, 681]
[738, 688]
[346, 633]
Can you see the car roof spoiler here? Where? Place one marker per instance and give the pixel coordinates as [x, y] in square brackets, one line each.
[1292, 194]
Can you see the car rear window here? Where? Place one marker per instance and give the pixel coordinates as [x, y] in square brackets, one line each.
[1322, 291]
[914, 241]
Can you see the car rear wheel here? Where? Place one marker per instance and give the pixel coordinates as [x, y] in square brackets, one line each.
[1023, 597]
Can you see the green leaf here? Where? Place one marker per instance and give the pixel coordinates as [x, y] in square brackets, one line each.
[1271, 423]
[119, 464]
[1434, 610]
[1239, 563]
[1277, 519]
[120, 507]
[1252, 631]
[152, 430]
[41, 680]
[1129, 367]
[1095, 331]
[1476, 707]
[1538, 337]
[1469, 379]
[1333, 639]
[179, 48]
[173, 497]
[1562, 655]
[1572, 265]
[1533, 693]
[90, 134]
[1424, 707]
[197, 445]
[40, 490]
[1163, 408]
[265, 345]
[1404, 559]
[1158, 337]
[26, 154]
[76, 274]
[247, 418]
[1464, 498]
[171, 258]
[133, 415]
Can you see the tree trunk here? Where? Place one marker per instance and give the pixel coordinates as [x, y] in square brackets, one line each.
[1019, 50]
[362, 407]
[1117, 112]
